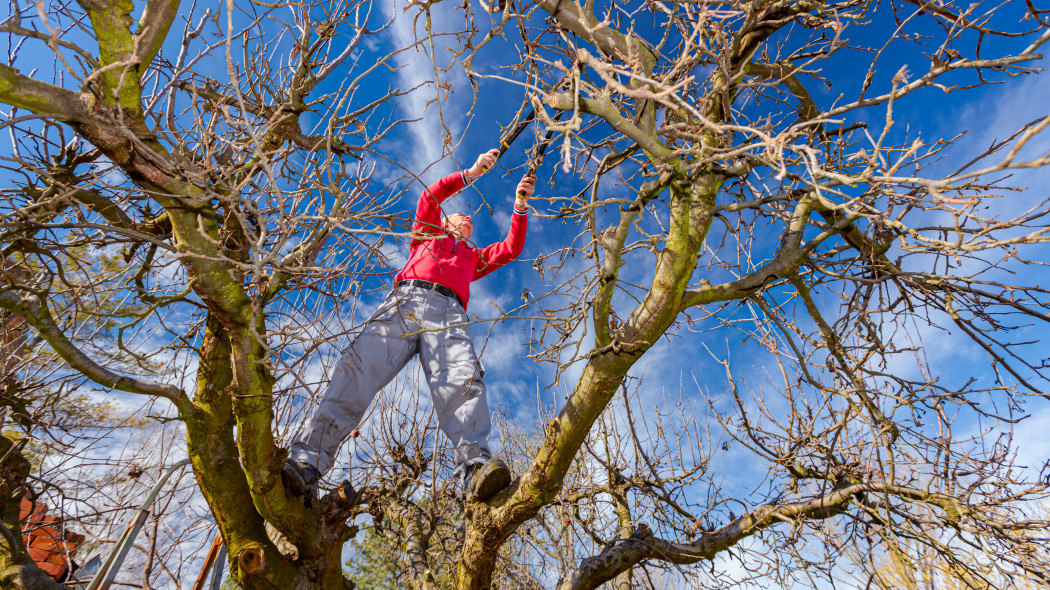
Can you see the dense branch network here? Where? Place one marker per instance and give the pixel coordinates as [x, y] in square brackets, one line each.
[218, 187]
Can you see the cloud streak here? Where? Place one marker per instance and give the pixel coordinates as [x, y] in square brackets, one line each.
[425, 145]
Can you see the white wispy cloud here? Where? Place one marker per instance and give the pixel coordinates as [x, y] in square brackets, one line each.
[417, 69]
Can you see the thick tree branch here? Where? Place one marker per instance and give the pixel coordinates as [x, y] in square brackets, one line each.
[600, 34]
[784, 73]
[604, 108]
[416, 545]
[118, 72]
[42, 98]
[783, 266]
[627, 553]
[613, 560]
[154, 25]
[788, 257]
[610, 242]
[614, 44]
[36, 313]
[691, 203]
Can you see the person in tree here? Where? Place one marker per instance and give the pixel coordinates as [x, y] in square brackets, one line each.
[425, 315]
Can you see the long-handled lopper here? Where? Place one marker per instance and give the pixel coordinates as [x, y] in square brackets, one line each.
[536, 160]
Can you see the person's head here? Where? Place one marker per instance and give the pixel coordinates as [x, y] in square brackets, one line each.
[459, 225]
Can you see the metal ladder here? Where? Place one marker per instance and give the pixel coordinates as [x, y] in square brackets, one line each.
[104, 577]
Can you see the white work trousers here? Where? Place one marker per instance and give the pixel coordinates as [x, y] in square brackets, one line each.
[410, 321]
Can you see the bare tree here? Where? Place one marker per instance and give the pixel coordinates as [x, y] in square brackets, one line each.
[718, 160]
[726, 190]
[918, 568]
[172, 186]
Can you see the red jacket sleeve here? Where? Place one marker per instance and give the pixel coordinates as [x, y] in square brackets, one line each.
[428, 210]
[500, 253]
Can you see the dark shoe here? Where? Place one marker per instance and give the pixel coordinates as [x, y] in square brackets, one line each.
[487, 479]
[300, 479]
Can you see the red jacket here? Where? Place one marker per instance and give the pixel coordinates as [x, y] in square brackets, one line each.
[435, 255]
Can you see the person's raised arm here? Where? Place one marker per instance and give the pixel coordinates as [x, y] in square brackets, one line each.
[428, 210]
[484, 163]
[500, 253]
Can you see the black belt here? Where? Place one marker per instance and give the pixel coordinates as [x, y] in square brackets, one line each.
[429, 285]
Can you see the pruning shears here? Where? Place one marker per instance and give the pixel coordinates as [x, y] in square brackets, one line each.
[536, 159]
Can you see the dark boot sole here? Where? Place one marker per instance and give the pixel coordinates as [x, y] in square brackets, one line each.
[490, 480]
[295, 484]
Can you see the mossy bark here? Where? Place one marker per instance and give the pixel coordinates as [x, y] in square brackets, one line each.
[229, 421]
[602, 377]
[217, 466]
